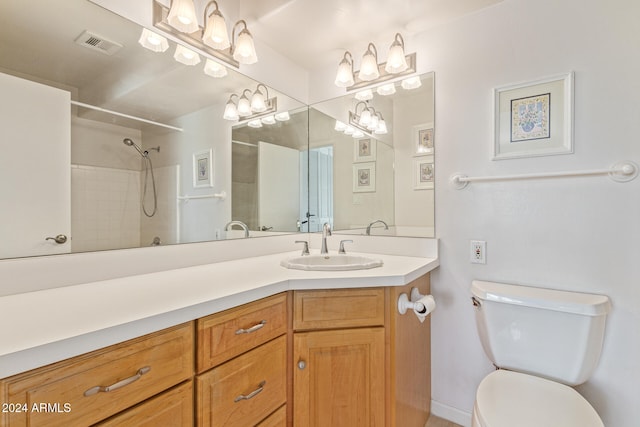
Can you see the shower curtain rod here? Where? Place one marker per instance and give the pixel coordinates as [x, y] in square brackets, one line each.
[127, 116]
[620, 172]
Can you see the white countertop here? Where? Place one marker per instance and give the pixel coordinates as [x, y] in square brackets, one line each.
[49, 325]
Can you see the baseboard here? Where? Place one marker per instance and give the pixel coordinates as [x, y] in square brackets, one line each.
[451, 414]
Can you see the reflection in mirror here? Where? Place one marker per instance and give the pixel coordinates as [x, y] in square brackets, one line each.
[369, 181]
[105, 180]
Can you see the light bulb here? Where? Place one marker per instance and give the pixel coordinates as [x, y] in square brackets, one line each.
[182, 16]
[344, 76]
[257, 102]
[369, 65]
[396, 61]
[244, 51]
[365, 118]
[244, 106]
[215, 33]
[382, 128]
[230, 111]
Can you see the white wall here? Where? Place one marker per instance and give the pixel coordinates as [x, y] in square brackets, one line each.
[576, 234]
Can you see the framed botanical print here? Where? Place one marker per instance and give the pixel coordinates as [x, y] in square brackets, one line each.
[423, 172]
[203, 169]
[364, 150]
[423, 139]
[364, 177]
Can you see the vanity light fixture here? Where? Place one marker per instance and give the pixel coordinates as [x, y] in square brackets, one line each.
[213, 38]
[370, 73]
[182, 16]
[214, 69]
[252, 105]
[152, 41]
[368, 119]
[186, 56]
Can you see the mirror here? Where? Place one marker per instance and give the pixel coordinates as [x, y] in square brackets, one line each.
[105, 197]
[387, 177]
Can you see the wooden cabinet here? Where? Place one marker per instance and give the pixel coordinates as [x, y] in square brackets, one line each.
[242, 365]
[89, 388]
[339, 373]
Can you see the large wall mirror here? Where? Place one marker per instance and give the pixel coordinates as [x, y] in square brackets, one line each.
[368, 179]
[113, 182]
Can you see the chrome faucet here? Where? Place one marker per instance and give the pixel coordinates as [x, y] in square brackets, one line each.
[386, 227]
[326, 231]
[240, 224]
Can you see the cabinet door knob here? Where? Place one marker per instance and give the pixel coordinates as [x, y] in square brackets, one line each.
[302, 364]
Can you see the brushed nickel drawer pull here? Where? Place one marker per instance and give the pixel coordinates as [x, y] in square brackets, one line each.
[252, 394]
[251, 329]
[119, 384]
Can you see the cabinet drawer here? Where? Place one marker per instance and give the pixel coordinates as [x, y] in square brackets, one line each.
[277, 419]
[225, 335]
[245, 390]
[70, 390]
[330, 309]
[173, 408]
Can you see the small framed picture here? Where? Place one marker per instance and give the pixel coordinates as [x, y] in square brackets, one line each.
[423, 139]
[203, 169]
[534, 118]
[364, 177]
[364, 150]
[423, 173]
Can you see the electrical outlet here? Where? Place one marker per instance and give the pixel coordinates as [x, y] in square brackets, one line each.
[478, 252]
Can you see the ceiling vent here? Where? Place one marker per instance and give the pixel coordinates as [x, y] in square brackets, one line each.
[95, 42]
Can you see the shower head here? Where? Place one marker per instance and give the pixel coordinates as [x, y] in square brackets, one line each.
[129, 142]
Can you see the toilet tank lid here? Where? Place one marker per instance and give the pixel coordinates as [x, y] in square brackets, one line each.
[548, 299]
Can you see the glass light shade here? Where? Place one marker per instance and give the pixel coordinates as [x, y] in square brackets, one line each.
[244, 106]
[382, 128]
[349, 130]
[269, 120]
[213, 69]
[364, 95]
[257, 102]
[230, 111]
[411, 83]
[357, 134]
[388, 89]
[186, 56]
[344, 77]
[365, 118]
[244, 51]
[283, 117]
[340, 127]
[368, 67]
[152, 41]
[373, 123]
[255, 123]
[215, 33]
[396, 61]
[182, 16]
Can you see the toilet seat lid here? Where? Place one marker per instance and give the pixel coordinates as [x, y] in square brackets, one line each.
[507, 399]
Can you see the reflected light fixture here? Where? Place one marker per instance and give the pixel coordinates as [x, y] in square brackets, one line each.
[182, 16]
[411, 83]
[283, 117]
[367, 120]
[244, 105]
[357, 134]
[243, 49]
[398, 64]
[255, 123]
[230, 110]
[253, 105]
[214, 69]
[340, 127]
[369, 65]
[152, 41]
[388, 89]
[268, 120]
[258, 104]
[186, 55]
[215, 32]
[382, 126]
[396, 61]
[344, 77]
[364, 95]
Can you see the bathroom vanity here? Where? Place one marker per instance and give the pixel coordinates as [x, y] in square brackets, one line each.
[295, 347]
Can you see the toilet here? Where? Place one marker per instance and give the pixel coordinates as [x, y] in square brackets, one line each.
[542, 342]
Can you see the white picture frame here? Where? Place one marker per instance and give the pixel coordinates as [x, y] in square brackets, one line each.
[423, 139]
[364, 150]
[423, 173]
[534, 118]
[203, 171]
[364, 177]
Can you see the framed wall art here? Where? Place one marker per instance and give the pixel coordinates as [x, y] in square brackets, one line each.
[534, 118]
[364, 177]
[203, 169]
[423, 139]
[423, 172]
[364, 150]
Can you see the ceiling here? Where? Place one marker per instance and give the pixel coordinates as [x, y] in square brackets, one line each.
[314, 33]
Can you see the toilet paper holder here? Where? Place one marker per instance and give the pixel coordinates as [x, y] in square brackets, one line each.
[404, 303]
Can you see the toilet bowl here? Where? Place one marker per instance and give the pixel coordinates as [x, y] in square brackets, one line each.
[543, 342]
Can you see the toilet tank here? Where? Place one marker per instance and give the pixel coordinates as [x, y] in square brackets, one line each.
[549, 333]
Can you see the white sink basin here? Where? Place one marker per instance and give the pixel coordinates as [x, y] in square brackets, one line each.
[331, 262]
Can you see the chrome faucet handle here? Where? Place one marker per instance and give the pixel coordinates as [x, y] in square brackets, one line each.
[342, 242]
[305, 248]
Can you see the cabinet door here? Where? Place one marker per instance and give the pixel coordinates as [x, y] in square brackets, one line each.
[339, 378]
